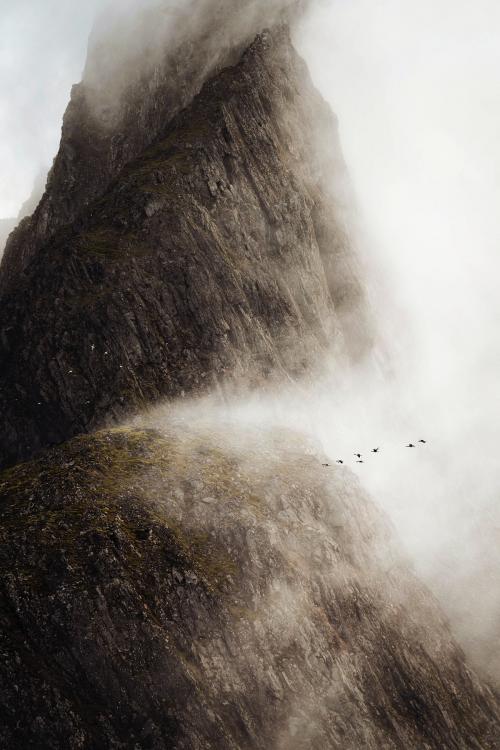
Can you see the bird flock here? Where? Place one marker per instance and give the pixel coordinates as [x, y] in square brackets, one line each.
[360, 459]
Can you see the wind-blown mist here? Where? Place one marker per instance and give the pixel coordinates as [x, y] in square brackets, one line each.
[44, 47]
[415, 88]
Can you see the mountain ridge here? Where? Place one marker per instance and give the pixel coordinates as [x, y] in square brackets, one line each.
[220, 208]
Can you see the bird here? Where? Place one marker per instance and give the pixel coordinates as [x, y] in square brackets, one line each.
[423, 441]
[410, 445]
[340, 462]
[358, 455]
[375, 450]
[325, 465]
[360, 462]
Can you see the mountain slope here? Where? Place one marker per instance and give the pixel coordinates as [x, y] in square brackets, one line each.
[215, 257]
[206, 587]
[144, 65]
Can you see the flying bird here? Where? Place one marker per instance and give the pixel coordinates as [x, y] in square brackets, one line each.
[358, 455]
[340, 462]
[325, 465]
[375, 450]
[410, 445]
[360, 462]
[423, 441]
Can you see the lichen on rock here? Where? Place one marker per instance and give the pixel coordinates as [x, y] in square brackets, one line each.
[197, 587]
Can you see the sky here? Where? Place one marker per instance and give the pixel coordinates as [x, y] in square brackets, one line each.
[416, 90]
[44, 44]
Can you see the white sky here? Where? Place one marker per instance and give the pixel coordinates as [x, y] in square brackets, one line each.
[42, 52]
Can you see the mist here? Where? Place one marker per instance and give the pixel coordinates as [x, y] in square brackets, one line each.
[44, 52]
[415, 88]
[416, 94]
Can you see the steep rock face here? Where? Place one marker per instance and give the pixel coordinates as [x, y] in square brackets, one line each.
[143, 67]
[215, 257]
[9, 225]
[199, 588]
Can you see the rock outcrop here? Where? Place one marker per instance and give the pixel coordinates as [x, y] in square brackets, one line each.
[206, 588]
[214, 257]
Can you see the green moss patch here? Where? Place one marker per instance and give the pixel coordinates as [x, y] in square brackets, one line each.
[104, 486]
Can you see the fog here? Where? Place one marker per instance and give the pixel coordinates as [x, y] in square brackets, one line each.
[43, 53]
[415, 88]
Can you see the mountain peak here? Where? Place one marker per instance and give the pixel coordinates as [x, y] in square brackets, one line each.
[214, 259]
[144, 65]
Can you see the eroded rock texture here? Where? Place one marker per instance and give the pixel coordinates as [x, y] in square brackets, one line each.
[143, 67]
[199, 588]
[214, 257]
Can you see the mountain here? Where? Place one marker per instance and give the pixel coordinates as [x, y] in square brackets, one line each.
[199, 587]
[214, 258]
[143, 67]
[182, 580]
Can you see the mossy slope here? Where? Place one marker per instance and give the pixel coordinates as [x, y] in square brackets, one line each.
[197, 587]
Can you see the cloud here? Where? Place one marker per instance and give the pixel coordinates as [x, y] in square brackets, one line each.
[415, 88]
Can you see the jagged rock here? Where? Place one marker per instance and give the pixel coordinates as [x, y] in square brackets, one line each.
[215, 257]
[281, 614]
[143, 67]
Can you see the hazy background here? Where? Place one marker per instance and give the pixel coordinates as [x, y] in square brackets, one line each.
[415, 86]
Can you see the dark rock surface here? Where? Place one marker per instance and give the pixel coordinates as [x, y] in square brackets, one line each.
[197, 588]
[215, 257]
[143, 67]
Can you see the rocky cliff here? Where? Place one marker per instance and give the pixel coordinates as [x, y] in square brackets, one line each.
[203, 587]
[6, 227]
[143, 67]
[215, 257]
